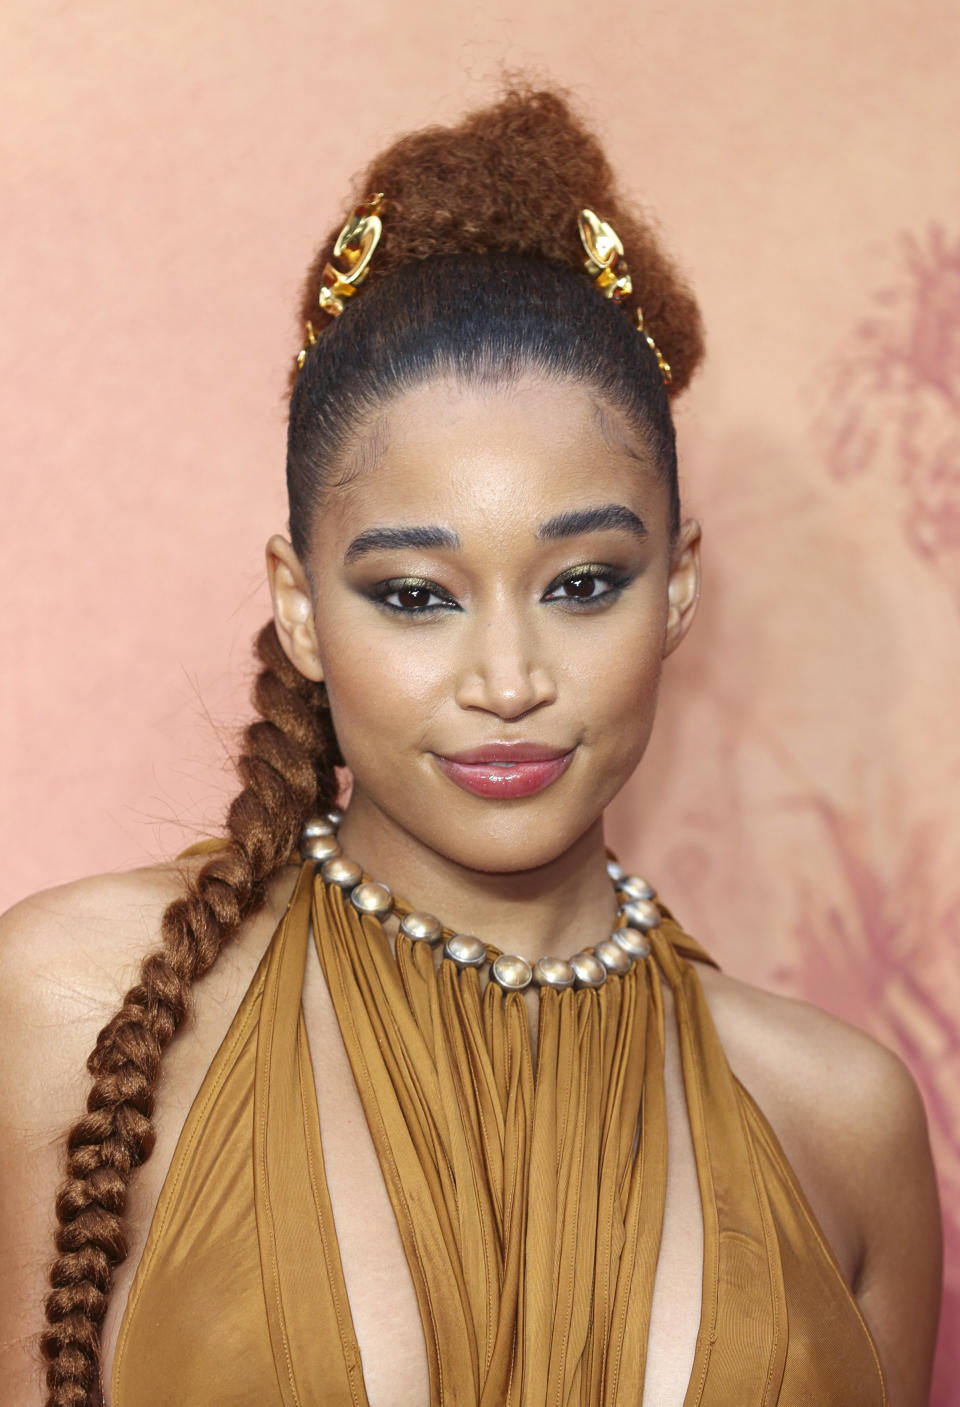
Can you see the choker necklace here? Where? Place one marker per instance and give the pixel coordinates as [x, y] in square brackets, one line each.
[613, 956]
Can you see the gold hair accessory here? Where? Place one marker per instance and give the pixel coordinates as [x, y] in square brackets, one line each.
[608, 269]
[354, 247]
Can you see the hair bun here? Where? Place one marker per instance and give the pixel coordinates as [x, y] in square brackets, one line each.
[511, 177]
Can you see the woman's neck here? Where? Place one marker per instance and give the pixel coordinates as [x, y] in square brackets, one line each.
[557, 908]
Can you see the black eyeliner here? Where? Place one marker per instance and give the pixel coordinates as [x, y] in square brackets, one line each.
[615, 579]
[378, 594]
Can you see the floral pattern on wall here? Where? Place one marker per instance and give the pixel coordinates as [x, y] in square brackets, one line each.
[893, 404]
[886, 947]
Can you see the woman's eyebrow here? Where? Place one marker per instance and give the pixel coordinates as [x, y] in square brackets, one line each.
[603, 518]
[387, 539]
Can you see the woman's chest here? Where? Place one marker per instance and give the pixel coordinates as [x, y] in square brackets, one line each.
[380, 1288]
[377, 1273]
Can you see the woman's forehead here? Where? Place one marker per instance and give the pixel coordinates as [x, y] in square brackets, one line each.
[521, 445]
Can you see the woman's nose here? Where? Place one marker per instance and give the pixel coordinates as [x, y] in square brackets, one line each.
[502, 670]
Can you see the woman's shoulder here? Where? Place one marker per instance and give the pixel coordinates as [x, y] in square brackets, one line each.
[850, 1119]
[83, 933]
[99, 894]
[67, 956]
[81, 916]
[795, 1056]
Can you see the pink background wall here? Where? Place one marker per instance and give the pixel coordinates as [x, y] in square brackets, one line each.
[165, 171]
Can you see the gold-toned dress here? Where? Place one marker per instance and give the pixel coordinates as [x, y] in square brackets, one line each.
[529, 1202]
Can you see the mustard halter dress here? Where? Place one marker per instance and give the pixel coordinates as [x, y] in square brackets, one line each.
[529, 1200]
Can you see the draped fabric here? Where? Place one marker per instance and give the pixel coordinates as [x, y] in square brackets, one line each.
[529, 1196]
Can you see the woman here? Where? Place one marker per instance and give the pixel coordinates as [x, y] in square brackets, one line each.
[488, 566]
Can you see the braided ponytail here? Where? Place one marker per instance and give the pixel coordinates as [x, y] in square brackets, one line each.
[287, 769]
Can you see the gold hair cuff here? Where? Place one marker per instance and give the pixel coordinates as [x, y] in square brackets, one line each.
[354, 248]
[608, 268]
[360, 236]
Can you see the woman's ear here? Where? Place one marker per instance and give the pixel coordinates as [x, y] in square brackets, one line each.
[293, 608]
[683, 585]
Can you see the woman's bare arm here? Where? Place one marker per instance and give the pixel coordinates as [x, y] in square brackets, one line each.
[899, 1285]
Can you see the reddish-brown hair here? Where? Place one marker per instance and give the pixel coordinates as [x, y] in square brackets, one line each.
[511, 178]
[506, 183]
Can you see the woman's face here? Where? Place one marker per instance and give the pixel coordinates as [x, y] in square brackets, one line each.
[490, 599]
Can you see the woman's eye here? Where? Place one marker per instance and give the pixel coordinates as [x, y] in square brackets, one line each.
[585, 586]
[581, 588]
[410, 597]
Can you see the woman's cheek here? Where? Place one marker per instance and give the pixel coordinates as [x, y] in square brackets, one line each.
[378, 714]
[625, 705]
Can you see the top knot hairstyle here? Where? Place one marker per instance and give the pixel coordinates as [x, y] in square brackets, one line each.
[479, 272]
[510, 179]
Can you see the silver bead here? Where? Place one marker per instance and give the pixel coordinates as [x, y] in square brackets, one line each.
[317, 825]
[372, 898]
[422, 927]
[554, 972]
[633, 887]
[615, 871]
[465, 950]
[632, 941]
[614, 958]
[511, 973]
[641, 913]
[588, 970]
[342, 871]
[335, 817]
[319, 848]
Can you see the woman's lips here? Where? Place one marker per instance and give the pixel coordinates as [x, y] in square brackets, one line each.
[505, 772]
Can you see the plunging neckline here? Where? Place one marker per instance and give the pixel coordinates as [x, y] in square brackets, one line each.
[709, 1257]
[289, 1303]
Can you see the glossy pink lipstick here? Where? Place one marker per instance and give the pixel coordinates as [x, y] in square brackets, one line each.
[505, 770]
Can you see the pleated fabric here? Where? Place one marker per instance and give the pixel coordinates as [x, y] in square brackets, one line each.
[529, 1196]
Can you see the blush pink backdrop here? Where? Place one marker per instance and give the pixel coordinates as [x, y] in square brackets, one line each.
[164, 172]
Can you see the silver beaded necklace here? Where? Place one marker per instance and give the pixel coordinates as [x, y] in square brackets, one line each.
[627, 944]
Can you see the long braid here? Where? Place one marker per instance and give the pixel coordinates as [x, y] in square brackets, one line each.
[287, 769]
